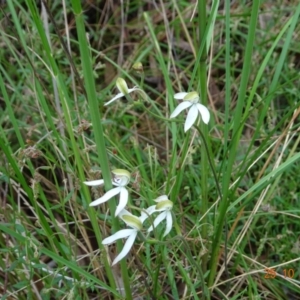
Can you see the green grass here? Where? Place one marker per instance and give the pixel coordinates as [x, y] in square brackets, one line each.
[234, 182]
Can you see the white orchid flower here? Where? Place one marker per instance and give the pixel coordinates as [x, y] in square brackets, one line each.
[191, 101]
[164, 205]
[136, 224]
[120, 180]
[124, 90]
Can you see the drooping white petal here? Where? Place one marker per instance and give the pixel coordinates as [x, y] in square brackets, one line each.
[124, 233]
[123, 200]
[94, 182]
[204, 113]
[133, 89]
[143, 216]
[157, 220]
[169, 223]
[149, 211]
[127, 246]
[106, 196]
[191, 118]
[180, 95]
[120, 95]
[183, 105]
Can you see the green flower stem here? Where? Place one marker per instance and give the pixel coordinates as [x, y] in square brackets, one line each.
[180, 169]
[210, 161]
[163, 66]
[99, 138]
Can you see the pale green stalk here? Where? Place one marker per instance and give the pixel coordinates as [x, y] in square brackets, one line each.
[169, 92]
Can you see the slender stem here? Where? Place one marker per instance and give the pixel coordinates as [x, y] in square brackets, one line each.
[209, 156]
[210, 161]
[202, 75]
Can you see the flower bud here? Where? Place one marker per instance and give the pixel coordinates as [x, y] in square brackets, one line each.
[138, 67]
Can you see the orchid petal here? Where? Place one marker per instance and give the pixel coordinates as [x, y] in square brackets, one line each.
[157, 220]
[180, 95]
[147, 212]
[180, 108]
[120, 95]
[127, 246]
[161, 198]
[150, 210]
[204, 112]
[169, 223]
[94, 182]
[106, 196]
[143, 216]
[191, 118]
[123, 181]
[124, 212]
[123, 200]
[124, 233]
[133, 89]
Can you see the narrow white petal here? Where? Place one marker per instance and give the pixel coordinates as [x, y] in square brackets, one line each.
[106, 196]
[124, 233]
[126, 248]
[147, 212]
[180, 95]
[183, 105]
[133, 89]
[157, 220]
[94, 182]
[204, 113]
[150, 210]
[169, 223]
[120, 95]
[143, 216]
[123, 200]
[191, 118]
